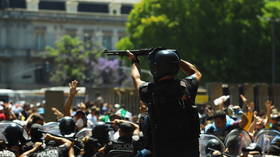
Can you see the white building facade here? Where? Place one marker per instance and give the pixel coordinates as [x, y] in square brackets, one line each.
[28, 26]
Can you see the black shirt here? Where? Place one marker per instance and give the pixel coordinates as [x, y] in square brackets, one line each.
[61, 151]
[7, 153]
[173, 116]
[171, 103]
[124, 144]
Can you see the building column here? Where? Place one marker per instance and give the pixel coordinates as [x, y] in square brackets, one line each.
[80, 33]
[115, 38]
[115, 9]
[99, 38]
[215, 90]
[71, 6]
[234, 94]
[32, 5]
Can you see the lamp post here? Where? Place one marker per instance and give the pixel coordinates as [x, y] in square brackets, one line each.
[273, 48]
[273, 45]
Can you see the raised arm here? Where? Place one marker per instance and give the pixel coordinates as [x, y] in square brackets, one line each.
[248, 108]
[135, 74]
[136, 126]
[244, 121]
[59, 140]
[268, 106]
[190, 69]
[36, 147]
[253, 125]
[72, 93]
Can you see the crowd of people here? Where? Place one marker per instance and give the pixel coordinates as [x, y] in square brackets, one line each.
[218, 120]
[99, 129]
[25, 131]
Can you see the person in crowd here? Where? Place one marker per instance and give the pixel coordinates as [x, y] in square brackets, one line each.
[101, 132]
[221, 126]
[81, 121]
[9, 114]
[2, 114]
[79, 116]
[67, 126]
[262, 122]
[14, 141]
[125, 144]
[61, 148]
[91, 147]
[93, 116]
[123, 113]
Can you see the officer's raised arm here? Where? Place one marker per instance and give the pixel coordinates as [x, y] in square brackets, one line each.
[135, 74]
[35, 148]
[190, 69]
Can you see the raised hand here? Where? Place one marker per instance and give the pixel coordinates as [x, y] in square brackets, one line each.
[73, 88]
[268, 106]
[243, 98]
[130, 55]
[251, 107]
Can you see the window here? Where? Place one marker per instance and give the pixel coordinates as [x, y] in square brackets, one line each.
[48, 5]
[121, 35]
[71, 32]
[3, 4]
[1, 74]
[88, 39]
[17, 3]
[125, 9]
[93, 7]
[40, 40]
[41, 75]
[107, 42]
[1, 38]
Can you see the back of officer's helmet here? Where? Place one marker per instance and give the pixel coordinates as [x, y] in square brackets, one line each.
[14, 134]
[213, 145]
[66, 125]
[100, 132]
[164, 62]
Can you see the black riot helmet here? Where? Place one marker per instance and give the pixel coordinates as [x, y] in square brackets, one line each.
[164, 62]
[67, 126]
[101, 132]
[213, 145]
[36, 133]
[14, 134]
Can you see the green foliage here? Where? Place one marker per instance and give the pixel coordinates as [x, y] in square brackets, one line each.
[69, 56]
[227, 39]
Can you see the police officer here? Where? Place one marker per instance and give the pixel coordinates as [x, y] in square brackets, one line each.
[91, 147]
[101, 132]
[174, 120]
[213, 146]
[68, 129]
[62, 149]
[125, 145]
[67, 126]
[14, 141]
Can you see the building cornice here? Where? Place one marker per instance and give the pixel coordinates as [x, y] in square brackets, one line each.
[62, 16]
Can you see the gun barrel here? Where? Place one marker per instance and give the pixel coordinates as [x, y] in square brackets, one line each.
[141, 52]
[116, 52]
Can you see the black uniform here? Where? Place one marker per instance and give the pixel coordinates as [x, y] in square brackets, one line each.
[123, 145]
[7, 153]
[61, 151]
[174, 120]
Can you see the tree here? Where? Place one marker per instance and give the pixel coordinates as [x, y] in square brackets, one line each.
[75, 60]
[225, 38]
